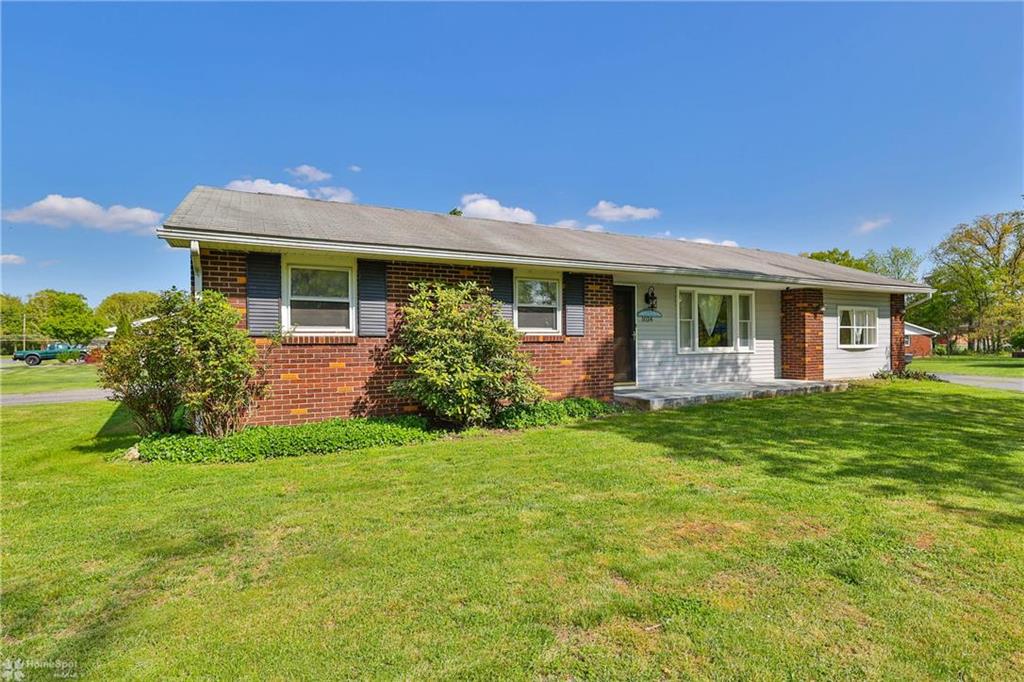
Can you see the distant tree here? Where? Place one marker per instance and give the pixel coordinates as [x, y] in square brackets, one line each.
[63, 316]
[134, 304]
[839, 257]
[455, 211]
[898, 262]
[11, 310]
[983, 263]
[123, 328]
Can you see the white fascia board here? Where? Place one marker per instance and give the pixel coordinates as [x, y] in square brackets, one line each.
[180, 237]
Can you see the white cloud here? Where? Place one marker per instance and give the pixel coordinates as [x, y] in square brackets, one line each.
[871, 225]
[482, 206]
[571, 224]
[705, 240]
[57, 210]
[665, 234]
[612, 212]
[265, 186]
[11, 259]
[340, 194]
[307, 173]
[355, 169]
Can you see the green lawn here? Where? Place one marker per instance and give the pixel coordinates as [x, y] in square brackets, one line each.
[49, 376]
[877, 533]
[993, 366]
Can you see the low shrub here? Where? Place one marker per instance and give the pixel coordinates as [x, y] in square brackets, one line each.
[939, 350]
[264, 442]
[548, 412]
[66, 356]
[912, 374]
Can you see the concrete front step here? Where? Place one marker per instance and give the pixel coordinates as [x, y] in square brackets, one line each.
[657, 398]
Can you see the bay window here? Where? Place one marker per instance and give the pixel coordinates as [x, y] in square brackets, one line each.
[538, 305]
[317, 299]
[714, 320]
[858, 327]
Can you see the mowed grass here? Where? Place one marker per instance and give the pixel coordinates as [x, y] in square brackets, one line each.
[993, 366]
[49, 376]
[876, 533]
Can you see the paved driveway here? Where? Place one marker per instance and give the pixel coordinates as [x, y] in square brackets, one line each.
[1005, 383]
[75, 395]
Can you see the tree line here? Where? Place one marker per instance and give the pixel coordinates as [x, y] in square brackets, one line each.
[51, 315]
[977, 272]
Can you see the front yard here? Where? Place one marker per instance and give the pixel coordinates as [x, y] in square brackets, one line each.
[49, 376]
[874, 533]
[975, 365]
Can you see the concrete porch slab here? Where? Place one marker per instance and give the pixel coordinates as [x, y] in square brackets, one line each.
[660, 397]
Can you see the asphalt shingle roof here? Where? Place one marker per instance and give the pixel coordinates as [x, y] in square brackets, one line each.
[208, 211]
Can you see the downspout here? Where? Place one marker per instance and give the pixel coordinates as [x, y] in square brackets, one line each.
[915, 302]
[197, 270]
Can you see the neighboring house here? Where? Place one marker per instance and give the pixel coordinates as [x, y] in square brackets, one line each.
[917, 339]
[596, 310]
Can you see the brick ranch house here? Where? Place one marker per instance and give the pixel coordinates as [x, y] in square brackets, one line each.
[596, 310]
[918, 340]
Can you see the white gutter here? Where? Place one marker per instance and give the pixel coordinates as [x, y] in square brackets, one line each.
[273, 243]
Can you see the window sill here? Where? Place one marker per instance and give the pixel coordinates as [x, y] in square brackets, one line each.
[849, 347]
[543, 338]
[309, 339]
[711, 351]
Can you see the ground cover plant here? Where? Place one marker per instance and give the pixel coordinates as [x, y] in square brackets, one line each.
[876, 533]
[265, 442]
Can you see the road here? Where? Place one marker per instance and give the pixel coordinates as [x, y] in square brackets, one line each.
[1005, 383]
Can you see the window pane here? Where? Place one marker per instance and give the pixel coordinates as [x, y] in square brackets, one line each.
[685, 305]
[327, 283]
[686, 334]
[531, 317]
[713, 314]
[869, 336]
[744, 334]
[845, 336]
[319, 314]
[744, 307]
[538, 292]
[844, 319]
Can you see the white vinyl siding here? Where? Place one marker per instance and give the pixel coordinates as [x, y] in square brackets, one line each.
[659, 362]
[851, 363]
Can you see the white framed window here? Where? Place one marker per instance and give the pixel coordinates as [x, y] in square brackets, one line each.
[317, 299]
[858, 327]
[538, 305]
[906, 341]
[714, 320]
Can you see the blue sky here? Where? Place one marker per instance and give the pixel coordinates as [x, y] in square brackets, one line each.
[787, 127]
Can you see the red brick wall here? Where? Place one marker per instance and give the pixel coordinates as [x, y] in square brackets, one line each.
[896, 310]
[315, 378]
[803, 355]
[920, 345]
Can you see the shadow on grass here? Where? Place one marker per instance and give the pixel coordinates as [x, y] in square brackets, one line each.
[165, 556]
[888, 442]
[117, 433]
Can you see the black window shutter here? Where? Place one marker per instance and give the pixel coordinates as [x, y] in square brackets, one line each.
[372, 286]
[263, 293]
[501, 290]
[572, 299]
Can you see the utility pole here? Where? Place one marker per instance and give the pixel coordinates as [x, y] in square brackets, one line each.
[24, 327]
